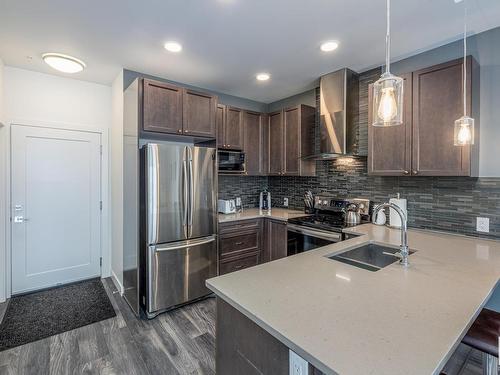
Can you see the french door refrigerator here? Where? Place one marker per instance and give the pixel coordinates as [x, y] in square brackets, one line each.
[178, 224]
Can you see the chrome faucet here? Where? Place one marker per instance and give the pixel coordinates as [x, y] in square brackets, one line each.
[403, 248]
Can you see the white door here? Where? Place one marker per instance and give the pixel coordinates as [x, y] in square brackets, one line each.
[55, 207]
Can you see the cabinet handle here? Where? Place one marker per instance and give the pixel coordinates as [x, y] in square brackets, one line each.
[179, 131]
[406, 172]
[415, 172]
[185, 131]
[228, 145]
[238, 267]
[238, 243]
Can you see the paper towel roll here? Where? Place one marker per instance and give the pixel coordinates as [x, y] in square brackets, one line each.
[394, 219]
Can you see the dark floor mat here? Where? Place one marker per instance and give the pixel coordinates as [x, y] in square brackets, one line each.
[46, 313]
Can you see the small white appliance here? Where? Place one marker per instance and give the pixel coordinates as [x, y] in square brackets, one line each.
[227, 206]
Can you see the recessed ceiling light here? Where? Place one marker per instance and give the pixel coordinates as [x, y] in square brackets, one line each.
[63, 63]
[329, 46]
[263, 76]
[173, 47]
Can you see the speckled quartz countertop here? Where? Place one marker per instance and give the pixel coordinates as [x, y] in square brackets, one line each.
[255, 213]
[347, 320]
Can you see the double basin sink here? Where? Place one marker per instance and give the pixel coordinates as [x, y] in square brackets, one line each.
[369, 256]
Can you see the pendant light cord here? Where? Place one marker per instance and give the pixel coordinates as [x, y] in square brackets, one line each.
[388, 39]
[465, 57]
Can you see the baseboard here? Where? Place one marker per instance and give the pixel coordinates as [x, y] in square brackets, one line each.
[117, 283]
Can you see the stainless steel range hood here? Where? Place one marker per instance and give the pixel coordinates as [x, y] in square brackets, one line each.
[339, 115]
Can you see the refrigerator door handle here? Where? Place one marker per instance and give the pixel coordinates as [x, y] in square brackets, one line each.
[185, 204]
[185, 244]
[191, 193]
[153, 194]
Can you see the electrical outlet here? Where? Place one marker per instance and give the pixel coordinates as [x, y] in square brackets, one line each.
[298, 365]
[285, 202]
[483, 224]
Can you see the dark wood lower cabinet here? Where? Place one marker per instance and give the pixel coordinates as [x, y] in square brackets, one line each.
[247, 243]
[244, 348]
[276, 240]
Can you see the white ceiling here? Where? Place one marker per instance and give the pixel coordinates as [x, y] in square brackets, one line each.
[226, 42]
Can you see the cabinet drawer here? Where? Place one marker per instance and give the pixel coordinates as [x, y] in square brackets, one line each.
[239, 242]
[239, 264]
[238, 226]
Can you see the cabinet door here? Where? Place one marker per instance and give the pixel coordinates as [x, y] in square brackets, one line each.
[220, 120]
[199, 114]
[276, 143]
[234, 128]
[276, 240]
[253, 131]
[437, 103]
[162, 107]
[291, 141]
[389, 148]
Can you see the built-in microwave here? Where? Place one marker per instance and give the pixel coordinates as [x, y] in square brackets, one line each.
[231, 162]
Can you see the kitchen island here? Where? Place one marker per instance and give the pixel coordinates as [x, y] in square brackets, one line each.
[348, 320]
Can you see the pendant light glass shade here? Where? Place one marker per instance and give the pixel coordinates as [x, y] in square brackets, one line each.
[464, 131]
[464, 126]
[388, 101]
[388, 90]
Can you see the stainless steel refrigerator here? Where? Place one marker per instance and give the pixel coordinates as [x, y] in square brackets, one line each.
[178, 221]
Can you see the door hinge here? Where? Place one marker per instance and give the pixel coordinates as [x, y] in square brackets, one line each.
[100, 149]
[100, 205]
[100, 261]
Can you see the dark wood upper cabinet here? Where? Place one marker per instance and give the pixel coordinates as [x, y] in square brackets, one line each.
[423, 146]
[175, 110]
[234, 128]
[199, 114]
[291, 136]
[162, 107]
[299, 141]
[437, 103]
[254, 143]
[220, 120]
[275, 144]
[390, 147]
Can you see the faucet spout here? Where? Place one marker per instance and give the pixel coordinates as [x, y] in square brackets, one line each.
[403, 248]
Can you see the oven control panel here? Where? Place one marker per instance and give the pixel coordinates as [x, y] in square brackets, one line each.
[336, 204]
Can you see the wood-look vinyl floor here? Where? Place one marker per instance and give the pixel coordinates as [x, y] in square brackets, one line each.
[177, 342]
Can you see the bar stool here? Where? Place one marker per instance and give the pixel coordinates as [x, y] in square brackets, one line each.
[483, 336]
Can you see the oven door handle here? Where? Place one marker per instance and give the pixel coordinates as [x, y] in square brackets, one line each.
[335, 237]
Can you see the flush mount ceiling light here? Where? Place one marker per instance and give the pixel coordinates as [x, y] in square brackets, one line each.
[173, 46]
[263, 76]
[464, 126]
[63, 63]
[388, 90]
[329, 46]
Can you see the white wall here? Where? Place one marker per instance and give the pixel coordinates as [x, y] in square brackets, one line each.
[37, 99]
[3, 194]
[117, 181]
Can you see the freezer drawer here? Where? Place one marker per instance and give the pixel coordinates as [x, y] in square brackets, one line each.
[177, 272]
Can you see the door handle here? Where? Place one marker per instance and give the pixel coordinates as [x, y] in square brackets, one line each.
[191, 193]
[20, 219]
[185, 244]
[185, 195]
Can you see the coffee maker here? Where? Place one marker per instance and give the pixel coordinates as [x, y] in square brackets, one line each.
[265, 200]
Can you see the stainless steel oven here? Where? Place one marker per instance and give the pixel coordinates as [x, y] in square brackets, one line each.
[232, 162]
[301, 238]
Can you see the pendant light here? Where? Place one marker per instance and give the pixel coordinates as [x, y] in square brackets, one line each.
[388, 90]
[464, 126]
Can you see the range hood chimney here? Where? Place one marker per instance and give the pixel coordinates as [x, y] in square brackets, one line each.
[339, 115]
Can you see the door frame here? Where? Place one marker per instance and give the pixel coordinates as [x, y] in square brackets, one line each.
[6, 249]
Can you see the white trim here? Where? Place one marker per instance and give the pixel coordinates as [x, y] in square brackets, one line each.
[117, 283]
[5, 267]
